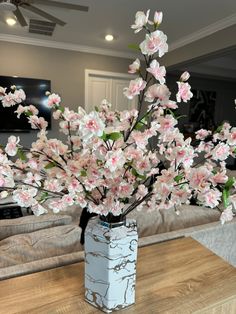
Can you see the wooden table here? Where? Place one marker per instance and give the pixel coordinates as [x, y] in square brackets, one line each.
[179, 276]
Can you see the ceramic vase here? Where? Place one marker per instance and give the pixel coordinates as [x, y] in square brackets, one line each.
[110, 264]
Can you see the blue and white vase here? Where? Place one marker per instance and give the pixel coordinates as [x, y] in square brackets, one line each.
[110, 264]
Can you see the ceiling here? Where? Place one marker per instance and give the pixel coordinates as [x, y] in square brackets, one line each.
[184, 22]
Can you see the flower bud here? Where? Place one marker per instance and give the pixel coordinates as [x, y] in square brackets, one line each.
[134, 67]
[3, 194]
[184, 77]
[158, 17]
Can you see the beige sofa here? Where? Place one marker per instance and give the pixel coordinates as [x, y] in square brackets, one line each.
[31, 244]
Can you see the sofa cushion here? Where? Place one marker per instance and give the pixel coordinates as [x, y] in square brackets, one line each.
[10, 227]
[28, 247]
[156, 222]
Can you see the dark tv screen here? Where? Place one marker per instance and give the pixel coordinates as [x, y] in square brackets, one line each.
[35, 90]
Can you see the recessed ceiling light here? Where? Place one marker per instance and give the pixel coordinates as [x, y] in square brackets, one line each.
[10, 21]
[109, 37]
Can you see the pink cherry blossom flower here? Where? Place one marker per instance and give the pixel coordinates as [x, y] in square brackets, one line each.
[53, 185]
[115, 208]
[76, 141]
[57, 114]
[37, 123]
[134, 67]
[198, 177]
[75, 186]
[33, 178]
[210, 198]
[2, 92]
[141, 19]
[115, 160]
[158, 16]
[25, 197]
[32, 109]
[81, 201]
[220, 152]
[219, 178]
[167, 123]
[141, 192]
[91, 125]
[54, 100]
[33, 164]
[204, 147]
[143, 166]
[12, 145]
[57, 147]
[180, 195]
[57, 205]
[184, 155]
[140, 138]
[68, 200]
[38, 209]
[227, 215]
[154, 42]
[184, 93]
[231, 140]
[8, 100]
[169, 104]
[135, 87]
[157, 71]
[22, 109]
[202, 134]
[133, 153]
[157, 91]
[124, 189]
[2, 181]
[19, 96]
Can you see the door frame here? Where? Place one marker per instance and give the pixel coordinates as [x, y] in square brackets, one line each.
[107, 74]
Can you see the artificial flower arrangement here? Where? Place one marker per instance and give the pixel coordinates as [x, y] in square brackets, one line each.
[109, 163]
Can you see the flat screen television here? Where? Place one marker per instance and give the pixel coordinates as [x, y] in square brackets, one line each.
[35, 90]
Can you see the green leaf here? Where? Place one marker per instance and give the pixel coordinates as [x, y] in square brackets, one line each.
[225, 197]
[43, 196]
[141, 123]
[83, 173]
[171, 112]
[104, 136]
[114, 136]
[28, 113]
[134, 47]
[138, 126]
[96, 108]
[234, 151]
[178, 178]
[219, 129]
[229, 184]
[136, 174]
[182, 116]
[21, 154]
[99, 162]
[61, 108]
[50, 165]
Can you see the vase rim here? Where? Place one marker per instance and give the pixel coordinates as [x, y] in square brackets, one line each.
[112, 225]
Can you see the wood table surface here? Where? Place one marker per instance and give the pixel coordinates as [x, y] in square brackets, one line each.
[178, 276]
